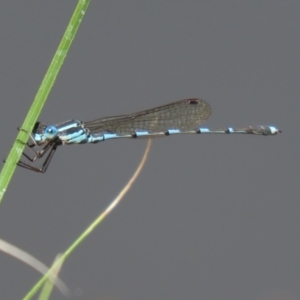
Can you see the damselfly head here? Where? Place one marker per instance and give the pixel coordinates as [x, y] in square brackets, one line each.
[50, 133]
[45, 133]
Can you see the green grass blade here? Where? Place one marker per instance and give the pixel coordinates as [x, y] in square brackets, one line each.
[49, 284]
[41, 96]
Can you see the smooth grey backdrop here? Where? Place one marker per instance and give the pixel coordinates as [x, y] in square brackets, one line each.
[210, 217]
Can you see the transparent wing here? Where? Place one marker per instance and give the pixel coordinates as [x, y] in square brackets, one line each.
[183, 115]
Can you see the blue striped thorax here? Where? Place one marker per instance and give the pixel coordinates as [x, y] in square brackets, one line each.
[63, 131]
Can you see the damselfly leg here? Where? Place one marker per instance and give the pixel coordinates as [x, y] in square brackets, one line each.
[38, 151]
[51, 147]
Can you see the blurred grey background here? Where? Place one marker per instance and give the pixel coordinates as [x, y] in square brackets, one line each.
[210, 217]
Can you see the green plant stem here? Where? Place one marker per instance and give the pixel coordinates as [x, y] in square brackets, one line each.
[41, 96]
